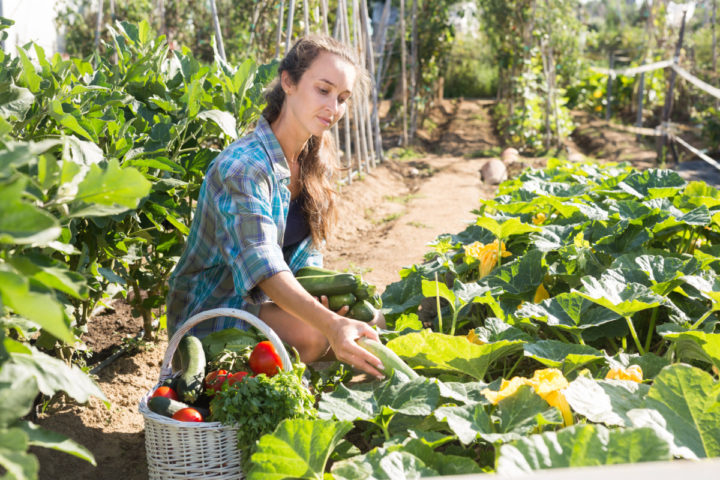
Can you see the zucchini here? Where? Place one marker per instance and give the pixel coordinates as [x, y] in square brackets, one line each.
[192, 364]
[363, 311]
[365, 291]
[311, 271]
[167, 407]
[389, 359]
[339, 283]
[336, 302]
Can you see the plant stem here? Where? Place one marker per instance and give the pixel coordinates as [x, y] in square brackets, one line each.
[634, 336]
[437, 298]
[613, 344]
[454, 321]
[560, 336]
[514, 367]
[651, 328]
[702, 319]
[499, 253]
[623, 343]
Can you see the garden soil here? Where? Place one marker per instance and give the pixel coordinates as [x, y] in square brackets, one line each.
[387, 219]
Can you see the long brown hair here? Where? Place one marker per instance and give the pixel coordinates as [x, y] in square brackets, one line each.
[318, 159]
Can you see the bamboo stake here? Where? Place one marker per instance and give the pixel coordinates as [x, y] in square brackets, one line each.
[324, 6]
[218, 33]
[714, 37]
[112, 22]
[306, 17]
[253, 27]
[289, 28]
[361, 115]
[403, 79]
[279, 28]
[98, 24]
[347, 40]
[348, 148]
[413, 71]
[373, 120]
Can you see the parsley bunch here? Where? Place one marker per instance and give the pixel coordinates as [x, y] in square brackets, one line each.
[258, 404]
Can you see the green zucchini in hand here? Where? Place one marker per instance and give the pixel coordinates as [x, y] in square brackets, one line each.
[336, 302]
[311, 271]
[362, 310]
[192, 363]
[389, 359]
[337, 284]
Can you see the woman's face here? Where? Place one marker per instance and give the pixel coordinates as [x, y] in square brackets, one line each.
[319, 99]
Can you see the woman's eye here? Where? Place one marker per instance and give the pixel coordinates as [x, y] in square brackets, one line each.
[323, 91]
[342, 100]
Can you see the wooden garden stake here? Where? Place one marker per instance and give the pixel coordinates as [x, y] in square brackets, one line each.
[306, 17]
[218, 33]
[640, 103]
[289, 28]
[281, 10]
[403, 74]
[376, 147]
[611, 78]
[663, 139]
[413, 70]
[98, 24]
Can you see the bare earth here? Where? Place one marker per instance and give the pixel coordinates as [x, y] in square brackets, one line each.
[386, 221]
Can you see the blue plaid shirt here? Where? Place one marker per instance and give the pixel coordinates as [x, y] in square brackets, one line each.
[236, 237]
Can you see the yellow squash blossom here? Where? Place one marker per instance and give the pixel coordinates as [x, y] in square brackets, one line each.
[633, 373]
[487, 255]
[541, 294]
[473, 338]
[547, 383]
[508, 388]
[539, 218]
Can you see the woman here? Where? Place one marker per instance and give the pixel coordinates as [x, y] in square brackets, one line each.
[265, 206]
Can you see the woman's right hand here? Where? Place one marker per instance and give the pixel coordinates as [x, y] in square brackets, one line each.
[343, 341]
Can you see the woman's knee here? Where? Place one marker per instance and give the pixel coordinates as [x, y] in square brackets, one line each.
[311, 345]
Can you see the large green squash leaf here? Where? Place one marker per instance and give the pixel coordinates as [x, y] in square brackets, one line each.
[565, 356]
[298, 448]
[605, 401]
[580, 446]
[515, 417]
[652, 183]
[625, 299]
[568, 311]
[696, 345]
[416, 397]
[437, 351]
[683, 406]
[379, 464]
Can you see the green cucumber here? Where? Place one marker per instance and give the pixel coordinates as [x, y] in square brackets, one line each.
[339, 283]
[311, 271]
[336, 302]
[168, 407]
[389, 359]
[365, 291]
[363, 311]
[192, 364]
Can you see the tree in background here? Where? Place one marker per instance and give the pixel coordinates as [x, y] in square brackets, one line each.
[537, 48]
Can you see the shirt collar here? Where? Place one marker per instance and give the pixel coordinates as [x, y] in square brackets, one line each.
[270, 142]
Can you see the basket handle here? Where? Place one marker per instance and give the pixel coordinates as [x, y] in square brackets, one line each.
[166, 369]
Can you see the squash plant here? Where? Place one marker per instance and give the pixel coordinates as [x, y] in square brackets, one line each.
[614, 360]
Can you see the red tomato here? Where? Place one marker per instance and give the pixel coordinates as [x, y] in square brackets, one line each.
[236, 377]
[188, 414]
[166, 392]
[214, 380]
[264, 359]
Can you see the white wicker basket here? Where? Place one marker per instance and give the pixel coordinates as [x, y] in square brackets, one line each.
[189, 450]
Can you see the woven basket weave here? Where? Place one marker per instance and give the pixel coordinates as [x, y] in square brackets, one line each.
[189, 450]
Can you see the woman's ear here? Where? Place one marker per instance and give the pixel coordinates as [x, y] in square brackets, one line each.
[286, 83]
